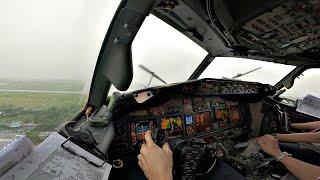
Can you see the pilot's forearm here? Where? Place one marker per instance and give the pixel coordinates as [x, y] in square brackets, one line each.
[300, 137]
[164, 176]
[308, 125]
[300, 169]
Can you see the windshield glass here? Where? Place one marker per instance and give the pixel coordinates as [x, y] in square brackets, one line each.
[161, 49]
[246, 70]
[48, 51]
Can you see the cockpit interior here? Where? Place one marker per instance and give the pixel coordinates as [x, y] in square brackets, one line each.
[205, 121]
[202, 120]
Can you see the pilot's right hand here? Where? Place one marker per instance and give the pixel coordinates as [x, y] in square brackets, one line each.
[155, 162]
[269, 145]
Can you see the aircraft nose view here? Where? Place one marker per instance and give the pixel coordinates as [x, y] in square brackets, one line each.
[160, 89]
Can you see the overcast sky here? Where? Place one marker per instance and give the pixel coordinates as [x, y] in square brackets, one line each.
[59, 39]
[52, 39]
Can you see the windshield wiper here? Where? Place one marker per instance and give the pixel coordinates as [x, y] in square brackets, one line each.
[243, 74]
[153, 75]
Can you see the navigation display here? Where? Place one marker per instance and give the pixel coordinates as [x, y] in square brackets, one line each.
[173, 125]
[203, 122]
[222, 117]
[138, 130]
[234, 115]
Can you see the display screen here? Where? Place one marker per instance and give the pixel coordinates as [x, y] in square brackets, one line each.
[203, 122]
[234, 115]
[138, 130]
[173, 125]
[188, 119]
[190, 130]
[222, 117]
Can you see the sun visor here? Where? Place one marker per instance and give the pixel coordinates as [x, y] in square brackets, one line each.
[119, 71]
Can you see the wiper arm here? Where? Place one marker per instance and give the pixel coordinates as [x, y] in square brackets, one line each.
[153, 74]
[243, 74]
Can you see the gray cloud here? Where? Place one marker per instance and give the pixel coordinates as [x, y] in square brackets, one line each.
[52, 39]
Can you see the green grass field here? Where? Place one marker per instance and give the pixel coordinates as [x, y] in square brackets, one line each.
[47, 109]
[42, 85]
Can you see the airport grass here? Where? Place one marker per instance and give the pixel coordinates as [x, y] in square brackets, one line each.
[42, 85]
[49, 110]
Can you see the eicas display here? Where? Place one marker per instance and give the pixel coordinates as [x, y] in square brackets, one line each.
[173, 125]
[203, 122]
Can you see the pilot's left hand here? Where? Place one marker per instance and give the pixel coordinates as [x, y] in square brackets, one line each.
[155, 162]
[269, 145]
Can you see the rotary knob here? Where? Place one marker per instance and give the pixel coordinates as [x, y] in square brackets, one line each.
[160, 136]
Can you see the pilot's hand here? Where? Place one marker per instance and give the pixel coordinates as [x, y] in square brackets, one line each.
[155, 162]
[269, 145]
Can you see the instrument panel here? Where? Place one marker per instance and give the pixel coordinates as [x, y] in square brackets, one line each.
[187, 110]
[188, 117]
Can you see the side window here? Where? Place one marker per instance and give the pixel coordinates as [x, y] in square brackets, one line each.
[46, 83]
[307, 83]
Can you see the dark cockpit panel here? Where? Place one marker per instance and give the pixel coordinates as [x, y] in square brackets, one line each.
[194, 117]
[184, 111]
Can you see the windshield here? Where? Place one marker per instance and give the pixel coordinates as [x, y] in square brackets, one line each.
[246, 70]
[161, 49]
